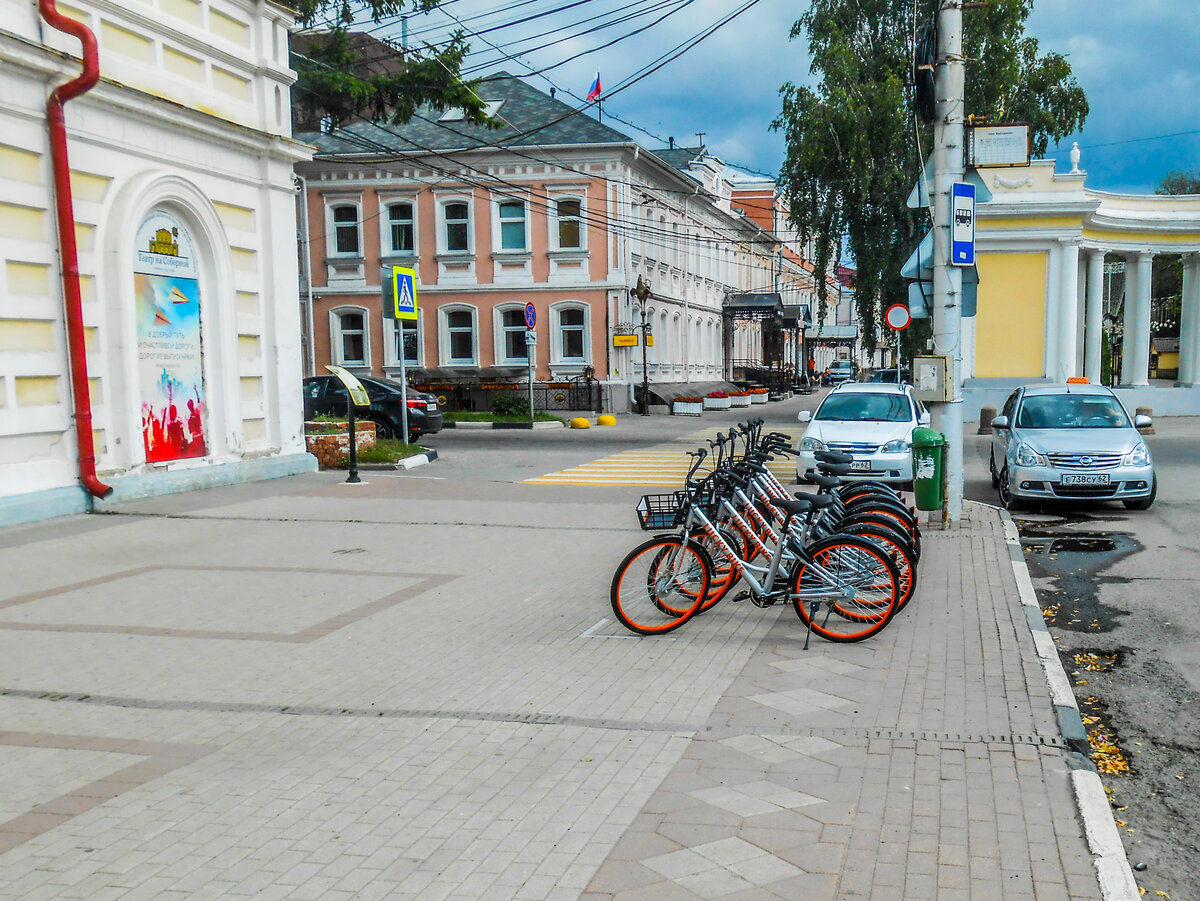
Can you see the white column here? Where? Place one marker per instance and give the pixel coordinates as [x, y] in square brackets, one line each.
[1093, 333]
[1189, 321]
[1068, 311]
[1136, 368]
[1051, 326]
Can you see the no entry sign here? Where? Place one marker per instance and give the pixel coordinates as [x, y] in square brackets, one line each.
[897, 316]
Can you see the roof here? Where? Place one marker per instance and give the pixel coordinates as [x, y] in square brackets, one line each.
[680, 157]
[837, 331]
[753, 304]
[528, 117]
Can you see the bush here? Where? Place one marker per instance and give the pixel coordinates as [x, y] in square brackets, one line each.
[511, 404]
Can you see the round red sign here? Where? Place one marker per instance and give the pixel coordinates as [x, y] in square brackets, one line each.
[897, 316]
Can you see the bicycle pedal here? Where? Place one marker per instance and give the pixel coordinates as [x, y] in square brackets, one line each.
[740, 596]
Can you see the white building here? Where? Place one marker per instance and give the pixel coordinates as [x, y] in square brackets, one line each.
[181, 176]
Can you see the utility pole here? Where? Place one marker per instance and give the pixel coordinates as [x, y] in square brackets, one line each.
[948, 159]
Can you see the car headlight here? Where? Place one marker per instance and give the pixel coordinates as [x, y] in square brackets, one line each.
[1027, 456]
[811, 444]
[1139, 456]
[899, 446]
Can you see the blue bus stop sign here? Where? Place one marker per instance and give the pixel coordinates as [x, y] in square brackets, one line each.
[962, 224]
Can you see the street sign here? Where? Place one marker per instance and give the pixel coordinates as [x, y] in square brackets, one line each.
[897, 316]
[530, 337]
[962, 224]
[530, 316]
[358, 393]
[625, 340]
[404, 292]
[998, 145]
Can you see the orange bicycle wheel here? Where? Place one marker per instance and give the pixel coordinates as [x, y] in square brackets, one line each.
[660, 585]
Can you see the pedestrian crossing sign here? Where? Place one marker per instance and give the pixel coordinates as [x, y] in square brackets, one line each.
[404, 293]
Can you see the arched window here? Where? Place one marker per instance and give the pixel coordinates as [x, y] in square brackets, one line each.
[511, 222]
[350, 337]
[408, 331]
[454, 235]
[566, 228]
[664, 338]
[401, 232]
[570, 326]
[509, 329]
[344, 228]
[458, 343]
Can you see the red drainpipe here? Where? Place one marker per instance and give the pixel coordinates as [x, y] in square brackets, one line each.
[68, 251]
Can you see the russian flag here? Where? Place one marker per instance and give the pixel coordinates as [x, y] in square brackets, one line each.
[594, 93]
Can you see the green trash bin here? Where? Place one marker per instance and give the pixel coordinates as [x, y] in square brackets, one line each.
[928, 450]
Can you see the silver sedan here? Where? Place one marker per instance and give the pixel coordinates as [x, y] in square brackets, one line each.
[1068, 442]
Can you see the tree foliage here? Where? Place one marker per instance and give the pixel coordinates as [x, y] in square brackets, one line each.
[344, 75]
[1178, 181]
[854, 148]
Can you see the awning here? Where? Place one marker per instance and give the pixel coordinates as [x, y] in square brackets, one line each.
[466, 374]
[797, 315]
[753, 306]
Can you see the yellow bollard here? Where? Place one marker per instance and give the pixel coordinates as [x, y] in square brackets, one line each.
[580, 423]
[606, 419]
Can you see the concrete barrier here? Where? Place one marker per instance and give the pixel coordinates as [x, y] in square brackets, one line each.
[986, 415]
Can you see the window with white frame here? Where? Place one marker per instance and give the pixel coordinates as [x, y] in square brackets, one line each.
[568, 226]
[456, 227]
[458, 336]
[405, 340]
[402, 234]
[349, 336]
[510, 325]
[345, 226]
[570, 323]
[510, 215]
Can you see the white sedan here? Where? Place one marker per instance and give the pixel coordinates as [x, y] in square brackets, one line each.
[871, 421]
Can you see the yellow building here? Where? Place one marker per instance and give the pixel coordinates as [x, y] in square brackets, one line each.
[1041, 243]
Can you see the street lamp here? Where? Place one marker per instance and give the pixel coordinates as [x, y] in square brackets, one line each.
[641, 295]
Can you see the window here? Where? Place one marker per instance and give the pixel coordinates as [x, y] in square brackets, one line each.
[458, 336]
[400, 220]
[404, 335]
[348, 335]
[512, 225]
[572, 326]
[457, 221]
[570, 229]
[345, 230]
[512, 334]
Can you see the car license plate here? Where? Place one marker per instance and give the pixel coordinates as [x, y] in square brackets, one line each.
[860, 465]
[1088, 478]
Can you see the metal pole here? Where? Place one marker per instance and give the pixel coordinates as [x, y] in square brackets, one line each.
[353, 477]
[645, 371]
[947, 279]
[531, 353]
[403, 385]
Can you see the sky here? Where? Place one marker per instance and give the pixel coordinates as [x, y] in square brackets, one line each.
[1137, 62]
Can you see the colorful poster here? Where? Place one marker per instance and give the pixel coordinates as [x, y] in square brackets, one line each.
[170, 355]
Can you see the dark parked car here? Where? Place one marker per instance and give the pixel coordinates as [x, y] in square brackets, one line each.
[889, 375]
[325, 395]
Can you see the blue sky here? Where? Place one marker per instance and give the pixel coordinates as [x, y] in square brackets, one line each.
[1137, 62]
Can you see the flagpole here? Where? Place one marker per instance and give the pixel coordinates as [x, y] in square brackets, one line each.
[599, 110]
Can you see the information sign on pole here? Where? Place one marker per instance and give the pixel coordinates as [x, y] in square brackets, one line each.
[404, 292]
[962, 224]
[897, 316]
[530, 316]
[531, 352]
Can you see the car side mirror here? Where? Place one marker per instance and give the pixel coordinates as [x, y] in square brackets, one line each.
[804, 416]
[924, 419]
[1142, 421]
[1000, 422]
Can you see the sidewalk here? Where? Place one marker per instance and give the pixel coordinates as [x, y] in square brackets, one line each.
[414, 688]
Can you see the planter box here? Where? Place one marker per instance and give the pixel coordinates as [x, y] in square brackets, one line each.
[742, 401]
[680, 408]
[758, 398]
[716, 403]
[331, 450]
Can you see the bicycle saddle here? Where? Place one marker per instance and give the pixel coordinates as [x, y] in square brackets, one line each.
[802, 503]
[825, 482]
[834, 469]
[832, 457]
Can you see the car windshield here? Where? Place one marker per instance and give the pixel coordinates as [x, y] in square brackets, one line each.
[864, 407]
[1071, 411]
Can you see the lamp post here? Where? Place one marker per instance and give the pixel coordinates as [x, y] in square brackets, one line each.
[641, 295]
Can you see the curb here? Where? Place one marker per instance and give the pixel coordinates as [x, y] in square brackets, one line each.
[1108, 853]
[407, 463]
[527, 426]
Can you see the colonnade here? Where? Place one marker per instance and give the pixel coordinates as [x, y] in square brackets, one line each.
[1080, 290]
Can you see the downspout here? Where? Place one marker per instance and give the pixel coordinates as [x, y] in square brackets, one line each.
[306, 303]
[67, 249]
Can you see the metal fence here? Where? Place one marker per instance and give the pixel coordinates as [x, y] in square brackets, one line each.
[489, 397]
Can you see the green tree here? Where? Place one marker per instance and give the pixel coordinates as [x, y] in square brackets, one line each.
[854, 147]
[344, 75]
[1178, 181]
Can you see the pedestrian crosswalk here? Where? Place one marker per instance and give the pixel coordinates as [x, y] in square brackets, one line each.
[663, 464]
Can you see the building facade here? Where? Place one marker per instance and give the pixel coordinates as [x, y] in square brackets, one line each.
[184, 214]
[1065, 284]
[552, 208]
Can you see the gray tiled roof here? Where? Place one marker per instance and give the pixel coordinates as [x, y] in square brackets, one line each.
[530, 118]
[679, 157]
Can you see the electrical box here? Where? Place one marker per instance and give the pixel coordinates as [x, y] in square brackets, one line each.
[931, 379]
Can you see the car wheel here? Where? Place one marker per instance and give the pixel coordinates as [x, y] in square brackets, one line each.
[1143, 503]
[1006, 495]
[384, 430]
[992, 467]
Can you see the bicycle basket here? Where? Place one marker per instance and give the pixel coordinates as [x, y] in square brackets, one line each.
[660, 511]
